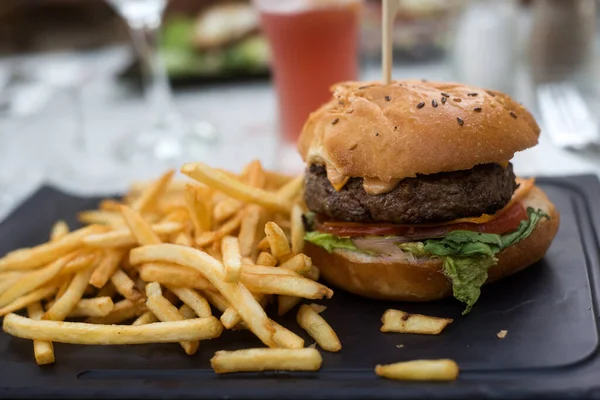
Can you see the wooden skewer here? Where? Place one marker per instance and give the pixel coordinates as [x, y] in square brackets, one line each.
[390, 9]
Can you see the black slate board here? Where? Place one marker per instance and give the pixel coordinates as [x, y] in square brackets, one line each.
[550, 311]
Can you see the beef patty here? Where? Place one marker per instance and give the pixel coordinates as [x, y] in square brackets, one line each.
[444, 196]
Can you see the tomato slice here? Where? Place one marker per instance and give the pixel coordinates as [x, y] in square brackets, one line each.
[508, 221]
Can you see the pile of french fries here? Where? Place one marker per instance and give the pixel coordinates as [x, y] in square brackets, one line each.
[148, 268]
[152, 267]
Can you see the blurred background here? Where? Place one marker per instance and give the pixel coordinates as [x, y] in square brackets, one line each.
[97, 93]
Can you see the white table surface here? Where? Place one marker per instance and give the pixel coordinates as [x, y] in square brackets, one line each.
[244, 113]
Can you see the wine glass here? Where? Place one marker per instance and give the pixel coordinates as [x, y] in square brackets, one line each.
[169, 139]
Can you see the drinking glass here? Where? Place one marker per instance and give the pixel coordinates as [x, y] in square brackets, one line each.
[169, 139]
[314, 45]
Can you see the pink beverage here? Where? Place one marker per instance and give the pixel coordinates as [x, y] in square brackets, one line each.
[313, 46]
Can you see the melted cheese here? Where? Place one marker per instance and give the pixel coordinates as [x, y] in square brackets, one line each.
[337, 180]
[376, 186]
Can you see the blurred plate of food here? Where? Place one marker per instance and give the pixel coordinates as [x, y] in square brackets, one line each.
[219, 43]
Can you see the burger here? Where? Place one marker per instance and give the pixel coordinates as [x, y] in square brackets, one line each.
[411, 194]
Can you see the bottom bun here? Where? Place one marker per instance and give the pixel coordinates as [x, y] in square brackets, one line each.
[423, 280]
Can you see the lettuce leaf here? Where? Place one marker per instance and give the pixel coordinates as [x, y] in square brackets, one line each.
[329, 242]
[468, 255]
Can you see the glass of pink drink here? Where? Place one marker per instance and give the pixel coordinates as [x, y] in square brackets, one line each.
[314, 44]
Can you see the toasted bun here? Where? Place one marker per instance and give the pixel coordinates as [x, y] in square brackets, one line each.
[407, 280]
[380, 131]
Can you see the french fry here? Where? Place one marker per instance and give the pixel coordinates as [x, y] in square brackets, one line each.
[99, 217]
[221, 181]
[193, 300]
[254, 174]
[96, 307]
[91, 334]
[278, 243]
[64, 286]
[145, 318]
[24, 301]
[237, 295]
[297, 230]
[286, 303]
[314, 273]
[176, 215]
[248, 229]
[67, 302]
[166, 312]
[197, 210]
[292, 189]
[8, 279]
[42, 349]
[59, 230]
[125, 285]
[266, 259]
[403, 322]
[124, 238]
[187, 312]
[183, 239]
[420, 370]
[232, 259]
[207, 238]
[264, 270]
[107, 267]
[318, 328]
[230, 318]
[263, 245]
[122, 311]
[148, 197]
[216, 299]
[261, 359]
[276, 180]
[43, 254]
[33, 280]
[286, 338]
[81, 262]
[300, 264]
[140, 229]
[109, 205]
[226, 209]
[285, 285]
[174, 275]
[107, 290]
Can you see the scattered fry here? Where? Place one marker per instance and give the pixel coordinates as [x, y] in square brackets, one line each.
[420, 370]
[403, 322]
[306, 359]
[502, 334]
